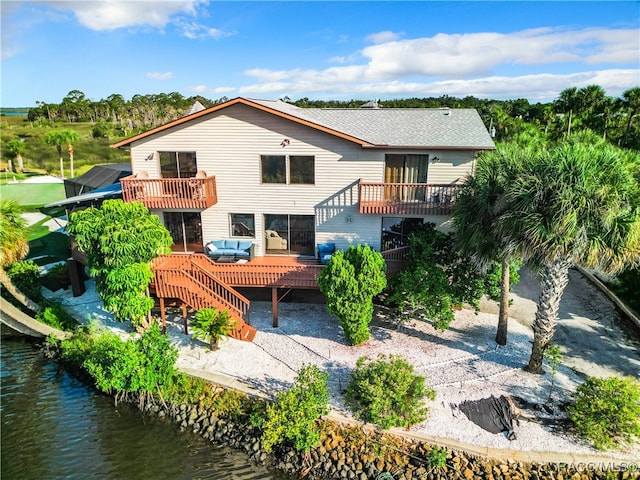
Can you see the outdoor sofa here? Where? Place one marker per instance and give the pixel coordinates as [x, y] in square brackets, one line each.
[239, 249]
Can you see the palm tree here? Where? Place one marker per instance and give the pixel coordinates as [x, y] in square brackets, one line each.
[577, 204]
[568, 102]
[59, 138]
[212, 324]
[15, 148]
[631, 100]
[477, 212]
[13, 247]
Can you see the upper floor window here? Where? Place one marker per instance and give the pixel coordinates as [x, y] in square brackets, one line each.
[178, 164]
[292, 169]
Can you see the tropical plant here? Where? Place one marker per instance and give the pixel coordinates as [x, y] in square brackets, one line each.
[14, 149]
[607, 410]
[143, 367]
[387, 393]
[295, 414]
[478, 208]
[350, 281]
[13, 247]
[58, 139]
[54, 315]
[120, 240]
[577, 203]
[212, 324]
[553, 355]
[437, 279]
[25, 276]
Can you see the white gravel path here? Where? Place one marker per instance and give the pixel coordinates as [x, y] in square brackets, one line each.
[462, 363]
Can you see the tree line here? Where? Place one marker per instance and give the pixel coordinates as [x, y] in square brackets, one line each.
[575, 109]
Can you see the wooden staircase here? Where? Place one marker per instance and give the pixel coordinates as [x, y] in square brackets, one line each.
[187, 278]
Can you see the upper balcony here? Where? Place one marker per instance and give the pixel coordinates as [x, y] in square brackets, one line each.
[407, 198]
[170, 193]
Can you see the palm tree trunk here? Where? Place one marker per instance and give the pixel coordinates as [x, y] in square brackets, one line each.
[7, 284]
[20, 165]
[554, 277]
[70, 150]
[503, 315]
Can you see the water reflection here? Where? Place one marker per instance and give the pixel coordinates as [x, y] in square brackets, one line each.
[55, 427]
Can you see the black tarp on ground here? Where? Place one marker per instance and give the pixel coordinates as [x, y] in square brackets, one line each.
[495, 415]
[98, 176]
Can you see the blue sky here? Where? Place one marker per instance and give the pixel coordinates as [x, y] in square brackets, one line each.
[321, 50]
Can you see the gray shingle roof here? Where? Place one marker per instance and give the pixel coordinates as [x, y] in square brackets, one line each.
[398, 127]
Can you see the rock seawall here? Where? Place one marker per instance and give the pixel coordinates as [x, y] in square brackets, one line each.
[365, 454]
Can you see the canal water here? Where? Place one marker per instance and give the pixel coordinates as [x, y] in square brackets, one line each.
[55, 427]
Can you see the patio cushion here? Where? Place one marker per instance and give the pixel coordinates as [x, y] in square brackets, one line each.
[244, 244]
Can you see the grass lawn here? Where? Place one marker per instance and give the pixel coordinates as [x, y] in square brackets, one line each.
[32, 195]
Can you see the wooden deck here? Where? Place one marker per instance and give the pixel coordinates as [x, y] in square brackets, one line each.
[196, 281]
[407, 198]
[175, 193]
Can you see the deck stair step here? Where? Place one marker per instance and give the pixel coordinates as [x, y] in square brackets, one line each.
[199, 288]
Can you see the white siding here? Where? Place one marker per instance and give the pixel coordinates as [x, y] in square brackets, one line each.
[229, 143]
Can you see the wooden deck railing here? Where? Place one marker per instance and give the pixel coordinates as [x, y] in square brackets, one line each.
[407, 198]
[395, 259]
[188, 277]
[198, 193]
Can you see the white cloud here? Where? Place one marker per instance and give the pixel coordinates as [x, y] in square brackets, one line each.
[383, 37]
[202, 89]
[195, 30]
[464, 55]
[538, 87]
[472, 64]
[160, 76]
[114, 14]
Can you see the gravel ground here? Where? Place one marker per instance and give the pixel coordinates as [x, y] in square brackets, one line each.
[462, 363]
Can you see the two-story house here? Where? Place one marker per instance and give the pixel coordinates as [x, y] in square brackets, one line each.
[246, 167]
[287, 178]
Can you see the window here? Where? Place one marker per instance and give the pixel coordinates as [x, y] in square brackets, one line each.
[274, 169]
[300, 169]
[243, 225]
[178, 164]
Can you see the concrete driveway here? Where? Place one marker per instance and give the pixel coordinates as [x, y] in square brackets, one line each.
[594, 339]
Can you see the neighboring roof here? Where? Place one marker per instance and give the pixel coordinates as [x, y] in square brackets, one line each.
[98, 176]
[195, 108]
[371, 127]
[57, 209]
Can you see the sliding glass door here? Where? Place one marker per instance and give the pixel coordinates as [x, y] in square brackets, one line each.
[405, 169]
[289, 234]
[186, 231]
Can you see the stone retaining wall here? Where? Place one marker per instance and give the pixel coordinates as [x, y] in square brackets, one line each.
[365, 454]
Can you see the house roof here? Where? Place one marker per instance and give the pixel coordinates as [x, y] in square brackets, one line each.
[59, 208]
[99, 176]
[442, 128]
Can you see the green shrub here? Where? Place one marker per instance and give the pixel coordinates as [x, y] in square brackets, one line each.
[387, 393]
[607, 410]
[350, 281]
[295, 414]
[437, 279]
[54, 315]
[144, 366]
[25, 275]
[212, 324]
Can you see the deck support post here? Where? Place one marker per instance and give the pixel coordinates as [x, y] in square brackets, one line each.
[274, 306]
[163, 315]
[184, 317]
